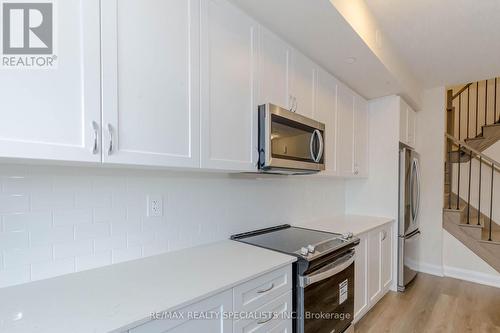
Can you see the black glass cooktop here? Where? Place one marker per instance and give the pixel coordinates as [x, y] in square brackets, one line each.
[291, 240]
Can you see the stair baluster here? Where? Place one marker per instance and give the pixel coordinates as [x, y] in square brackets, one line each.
[470, 177]
[491, 200]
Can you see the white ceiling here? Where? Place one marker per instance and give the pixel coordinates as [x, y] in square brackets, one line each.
[322, 33]
[444, 42]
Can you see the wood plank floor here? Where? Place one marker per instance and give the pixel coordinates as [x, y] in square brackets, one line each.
[435, 304]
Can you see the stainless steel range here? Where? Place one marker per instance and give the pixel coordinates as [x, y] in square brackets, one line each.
[323, 274]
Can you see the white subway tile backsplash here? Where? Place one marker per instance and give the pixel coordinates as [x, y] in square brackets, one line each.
[155, 247]
[110, 243]
[131, 253]
[119, 228]
[14, 203]
[92, 231]
[14, 239]
[72, 249]
[142, 238]
[27, 221]
[52, 235]
[45, 270]
[93, 261]
[15, 275]
[57, 220]
[16, 257]
[72, 217]
[52, 200]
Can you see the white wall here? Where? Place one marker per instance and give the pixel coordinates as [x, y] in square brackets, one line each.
[462, 263]
[58, 220]
[430, 146]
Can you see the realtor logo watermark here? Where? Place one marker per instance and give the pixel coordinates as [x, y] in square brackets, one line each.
[28, 32]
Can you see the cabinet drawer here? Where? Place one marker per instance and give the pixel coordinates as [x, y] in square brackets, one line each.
[281, 308]
[186, 322]
[257, 292]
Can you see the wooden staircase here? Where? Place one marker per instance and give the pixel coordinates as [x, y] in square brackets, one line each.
[473, 227]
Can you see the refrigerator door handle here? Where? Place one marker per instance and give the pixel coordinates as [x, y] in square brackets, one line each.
[417, 175]
[412, 181]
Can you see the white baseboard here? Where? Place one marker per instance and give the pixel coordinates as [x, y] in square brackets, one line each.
[472, 276]
[430, 269]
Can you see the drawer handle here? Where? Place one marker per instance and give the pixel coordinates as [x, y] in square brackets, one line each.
[261, 322]
[265, 290]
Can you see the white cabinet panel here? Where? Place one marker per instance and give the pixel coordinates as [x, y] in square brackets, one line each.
[228, 107]
[326, 112]
[407, 123]
[411, 127]
[360, 137]
[274, 70]
[345, 127]
[374, 266]
[280, 307]
[218, 305]
[386, 249]
[150, 82]
[302, 84]
[49, 113]
[361, 278]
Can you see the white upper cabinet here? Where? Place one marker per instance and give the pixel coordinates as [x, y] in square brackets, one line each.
[229, 56]
[302, 84]
[274, 70]
[326, 112]
[360, 137]
[407, 124]
[150, 82]
[345, 127]
[54, 113]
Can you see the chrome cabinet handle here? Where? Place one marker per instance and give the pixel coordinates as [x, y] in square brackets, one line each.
[95, 147]
[384, 235]
[265, 290]
[261, 322]
[295, 103]
[110, 131]
[290, 103]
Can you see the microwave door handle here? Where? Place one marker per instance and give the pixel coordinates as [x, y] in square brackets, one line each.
[311, 146]
[321, 146]
[336, 267]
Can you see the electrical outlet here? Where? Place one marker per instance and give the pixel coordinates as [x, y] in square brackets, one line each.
[155, 205]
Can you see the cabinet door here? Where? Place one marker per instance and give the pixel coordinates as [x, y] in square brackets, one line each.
[326, 112]
[403, 121]
[411, 128]
[360, 137]
[386, 250]
[374, 266]
[274, 68]
[217, 305]
[361, 278]
[345, 126]
[54, 113]
[302, 84]
[150, 71]
[228, 107]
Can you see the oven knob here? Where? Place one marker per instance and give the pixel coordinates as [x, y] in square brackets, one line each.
[311, 248]
[304, 251]
[347, 235]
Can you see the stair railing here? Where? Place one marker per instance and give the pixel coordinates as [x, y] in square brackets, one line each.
[460, 152]
[464, 105]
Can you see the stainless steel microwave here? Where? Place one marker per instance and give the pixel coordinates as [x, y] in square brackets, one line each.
[289, 143]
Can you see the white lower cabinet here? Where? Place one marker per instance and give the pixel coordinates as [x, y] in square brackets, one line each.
[216, 305]
[244, 308]
[373, 271]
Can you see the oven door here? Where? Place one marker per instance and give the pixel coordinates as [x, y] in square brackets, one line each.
[328, 297]
[290, 141]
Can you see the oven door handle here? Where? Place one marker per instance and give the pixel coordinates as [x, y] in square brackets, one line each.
[329, 270]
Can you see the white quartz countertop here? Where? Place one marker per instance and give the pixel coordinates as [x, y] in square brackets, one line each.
[357, 224]
[123, 295]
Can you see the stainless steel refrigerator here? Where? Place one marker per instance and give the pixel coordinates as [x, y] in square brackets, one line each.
[409, 206]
